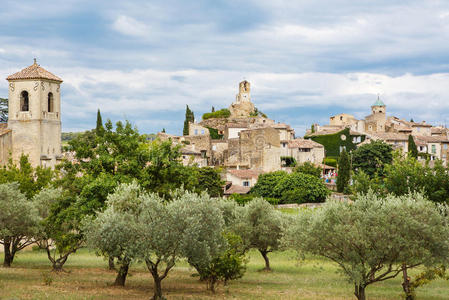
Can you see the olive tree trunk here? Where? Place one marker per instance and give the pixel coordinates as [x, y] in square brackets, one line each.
[265, 257]
[360, 292]
[122, 273]
[406, 284]
[9, 257]
[153, 268]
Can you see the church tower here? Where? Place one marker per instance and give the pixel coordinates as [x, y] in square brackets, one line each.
[379, 107]
[377, 120]
[34, 115]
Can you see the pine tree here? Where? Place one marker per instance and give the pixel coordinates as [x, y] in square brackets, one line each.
[163, 130]
[190, 117]
[343, 171]
[412, 149]
[99, 130]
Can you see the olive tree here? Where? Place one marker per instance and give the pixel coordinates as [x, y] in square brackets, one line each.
[188, 226]
[112, 230]
[19, 221]
[374, 239]
[261, 227]
[210, 246]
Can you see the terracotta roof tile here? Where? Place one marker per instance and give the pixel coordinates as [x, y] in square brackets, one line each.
[34, 72]
[302, 143]
[245, 173]
[235, 189]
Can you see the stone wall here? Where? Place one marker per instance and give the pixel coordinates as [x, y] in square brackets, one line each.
[5, 146]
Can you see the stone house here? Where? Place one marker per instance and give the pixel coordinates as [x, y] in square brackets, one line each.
[303, 150]
[192, 157]
[257, 149]
[197, 129]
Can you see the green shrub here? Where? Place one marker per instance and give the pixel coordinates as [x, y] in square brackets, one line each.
[266, 183]
[222, 113]
[309, 168]
[230, 265]
[243, 199]
[329, 161]
[300, 188]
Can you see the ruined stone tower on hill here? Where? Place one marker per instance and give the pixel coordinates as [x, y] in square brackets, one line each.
[242, 107]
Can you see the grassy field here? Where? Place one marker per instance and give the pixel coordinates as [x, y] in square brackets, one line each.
[88, 278]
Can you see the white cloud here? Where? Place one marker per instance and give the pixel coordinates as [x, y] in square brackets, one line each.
[128, 26]
[136, 94]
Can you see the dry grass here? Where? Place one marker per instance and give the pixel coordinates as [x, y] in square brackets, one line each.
[88, 278]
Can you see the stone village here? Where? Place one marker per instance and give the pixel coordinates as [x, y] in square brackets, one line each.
[246, 143]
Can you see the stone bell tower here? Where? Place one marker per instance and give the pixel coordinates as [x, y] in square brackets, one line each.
[34, 115]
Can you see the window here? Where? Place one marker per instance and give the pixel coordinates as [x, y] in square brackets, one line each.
[202, 131]
[24, 101]
[434, 149]
[246, 183]
[284, 145]
[196, 131]
[50, 102]
[341, 118]
[445, 146]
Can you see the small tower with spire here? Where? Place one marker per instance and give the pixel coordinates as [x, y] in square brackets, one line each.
[378, 107]
[34, 115]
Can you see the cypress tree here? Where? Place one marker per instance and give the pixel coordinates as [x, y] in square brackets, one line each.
[190, 117]
[343, 171]
[99, 130]
[412, 149]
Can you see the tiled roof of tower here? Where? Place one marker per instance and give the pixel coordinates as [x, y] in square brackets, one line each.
[379, 102]
[34, 72]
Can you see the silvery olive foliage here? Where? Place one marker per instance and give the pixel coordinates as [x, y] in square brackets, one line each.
[113, 229]
[138, 225]
[374, 239]
[19, 220]
[261, 227]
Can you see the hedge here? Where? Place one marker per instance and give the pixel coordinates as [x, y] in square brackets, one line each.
[222, 113]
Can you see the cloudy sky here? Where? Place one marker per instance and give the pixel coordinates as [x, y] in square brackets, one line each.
[306, 60]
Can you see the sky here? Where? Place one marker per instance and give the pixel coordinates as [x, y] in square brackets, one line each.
[306, 60]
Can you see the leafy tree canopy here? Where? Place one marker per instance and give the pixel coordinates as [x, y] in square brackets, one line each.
[372, 157]
[309, 168]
